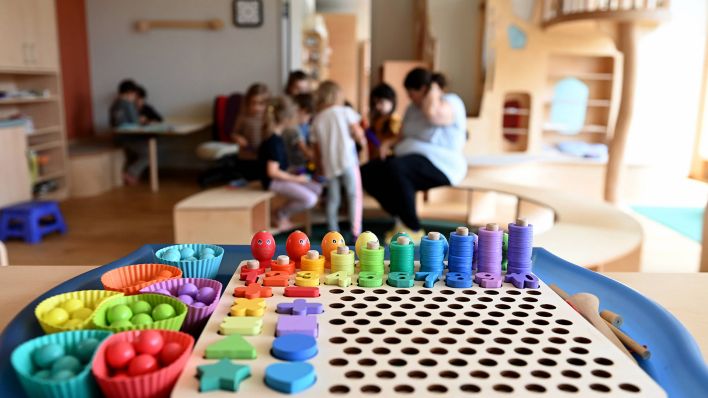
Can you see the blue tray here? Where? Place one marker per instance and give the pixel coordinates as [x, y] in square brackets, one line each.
[676, 362]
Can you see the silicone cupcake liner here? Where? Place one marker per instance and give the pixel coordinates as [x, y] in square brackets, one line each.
[195, 269]
[156, 384]
[174, 323]
[130, 279]
[92, 298]
[80, 386]
[196, 316]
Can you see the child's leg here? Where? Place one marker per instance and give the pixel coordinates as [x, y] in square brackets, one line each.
[299, 196]
[333, 199]
[352, 186]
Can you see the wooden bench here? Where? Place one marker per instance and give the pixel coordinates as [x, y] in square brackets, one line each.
[222, 216]
[95, 167]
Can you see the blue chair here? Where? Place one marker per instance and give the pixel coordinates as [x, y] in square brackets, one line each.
[31, 220]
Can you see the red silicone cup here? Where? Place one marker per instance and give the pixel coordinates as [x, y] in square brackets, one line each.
[196, 317]
[152, 385]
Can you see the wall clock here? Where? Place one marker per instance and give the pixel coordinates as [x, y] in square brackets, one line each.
[248, 13]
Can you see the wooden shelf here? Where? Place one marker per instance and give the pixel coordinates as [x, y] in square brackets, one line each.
[582, 76]
[19, 101]
[46, 145]
[515, 131]
[28, 71]
[49, 176]
[44, 130]
[590, 128]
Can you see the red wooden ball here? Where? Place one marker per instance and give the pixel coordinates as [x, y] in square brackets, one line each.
[149, 342]
[118, 354]
[263, 246]
[170, 352]
[142, 364]
[297, 245]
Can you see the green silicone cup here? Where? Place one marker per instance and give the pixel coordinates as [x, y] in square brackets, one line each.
[208, 268]
[174, 323]
[80, 386]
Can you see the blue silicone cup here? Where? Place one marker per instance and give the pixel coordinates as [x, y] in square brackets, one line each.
[194, 269]
[80, 386]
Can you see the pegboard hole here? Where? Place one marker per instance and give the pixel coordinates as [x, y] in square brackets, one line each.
[495, 351]
[502, 340]
[456, 331]
[503, 306]
[423, 314]
[579, 350]
[359, 306]
[471, 314]
[362, 322]
[336, 306]
[508, 331]
[439, 299]
[366, 362]
[560, 330]
[417, 299]
[348, 298]
[540, 322]
[391, 298]
[599, 387]
[381, 351]
[349, 313]
[414, 322]
[354, 374]
[467, 351]
[603, 361]
[417, 374]
[352, 350]
[544, 314]
[533, 292]
[534, 331]
[515, 322]
[374, 298]
[362, 340]
[397, 362]
[629, 387]
[425, 291]
[383, 306]
[387, 322]
[551, 350]
[404, 389]
[529, 340]
[530, 299]
[457, 362]
[358, 291]
[448, 340]
[437, 388]
[479, 306]
[420, 340]
[564, 322]
[337, 340]
[407, 306]
[548, 306]
[336, 291]
[535, 388]
[503, 388]
[541, 374]
[439, 322]
[377, 331]
[547, 362]
[461, 299]
[431, 306]
[430, 331]
[475, 340]
[410, 351]
[338, 362]
[571, 374]
[496, 314]
[487, 362]
[517, 362]
[447, 292]
[350, 330]
[337, 321]
[402, 291]
[519, 314]
[385, 374]
[448, 374]
[557, 340]
[526, 306]
[392, 340]
[373, 313]
[523, 351]
[380, 291]
[370, 389]
[463, 322]
[398, 313]
[339, 389]
[479, 374]
[576, 361]
[601, 373]
[510, 374]
[403, 331]
[567, 388]
[508, 299]
[482, 331]
[439, 351]
[428, 362]
[471, 388]
[582, 340]
[447, 314]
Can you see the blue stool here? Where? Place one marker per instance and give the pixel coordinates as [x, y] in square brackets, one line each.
[31, 220]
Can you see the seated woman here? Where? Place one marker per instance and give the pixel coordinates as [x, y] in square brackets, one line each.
[428, 152]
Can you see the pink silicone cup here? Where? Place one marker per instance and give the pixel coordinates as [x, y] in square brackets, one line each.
[196, 316]
[152, 385]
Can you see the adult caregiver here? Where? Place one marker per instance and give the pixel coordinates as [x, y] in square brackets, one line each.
[427, 152]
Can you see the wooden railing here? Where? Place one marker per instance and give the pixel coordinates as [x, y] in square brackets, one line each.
[557, 11]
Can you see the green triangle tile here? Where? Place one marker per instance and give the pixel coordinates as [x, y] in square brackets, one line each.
[231, 347]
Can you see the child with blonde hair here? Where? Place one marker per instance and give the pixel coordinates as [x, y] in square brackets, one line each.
[335, 129]
[301, 193]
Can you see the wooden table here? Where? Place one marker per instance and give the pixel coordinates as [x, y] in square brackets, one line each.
[682, 294]
[171, 127]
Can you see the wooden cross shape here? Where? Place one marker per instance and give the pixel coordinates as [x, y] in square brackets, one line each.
[253, 290]
[248, 307]
[299, 307]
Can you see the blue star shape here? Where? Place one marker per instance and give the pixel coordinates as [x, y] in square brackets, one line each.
[222, 375]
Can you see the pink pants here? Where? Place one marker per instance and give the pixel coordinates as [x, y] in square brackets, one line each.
[300, 196]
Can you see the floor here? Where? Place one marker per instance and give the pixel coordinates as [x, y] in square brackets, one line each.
[109, 226]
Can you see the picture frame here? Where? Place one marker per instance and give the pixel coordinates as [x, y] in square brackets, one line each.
[248, 13]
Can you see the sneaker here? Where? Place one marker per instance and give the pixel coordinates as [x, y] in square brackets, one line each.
[283, 224]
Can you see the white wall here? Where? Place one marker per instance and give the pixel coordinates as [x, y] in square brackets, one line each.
[669, 74]
[183, 69]
[453, 25]
[391, 33]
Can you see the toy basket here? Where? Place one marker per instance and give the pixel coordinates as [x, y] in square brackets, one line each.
[207, 268]
[174, 323]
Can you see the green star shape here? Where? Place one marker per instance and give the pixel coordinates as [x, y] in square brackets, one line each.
[222, 375]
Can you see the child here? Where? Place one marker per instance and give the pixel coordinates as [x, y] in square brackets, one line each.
[148, 114]
[298, 83]
[248, 130]
[384, 123]
[123, 113]
[297, 138]
[334, 131]
[301, 193]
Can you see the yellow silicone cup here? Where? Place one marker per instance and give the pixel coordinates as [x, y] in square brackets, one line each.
[91, 298]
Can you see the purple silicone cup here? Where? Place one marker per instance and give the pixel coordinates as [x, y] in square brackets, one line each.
[196, 316]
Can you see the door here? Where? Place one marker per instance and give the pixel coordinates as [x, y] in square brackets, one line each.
[13, 46]
[43, 44]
